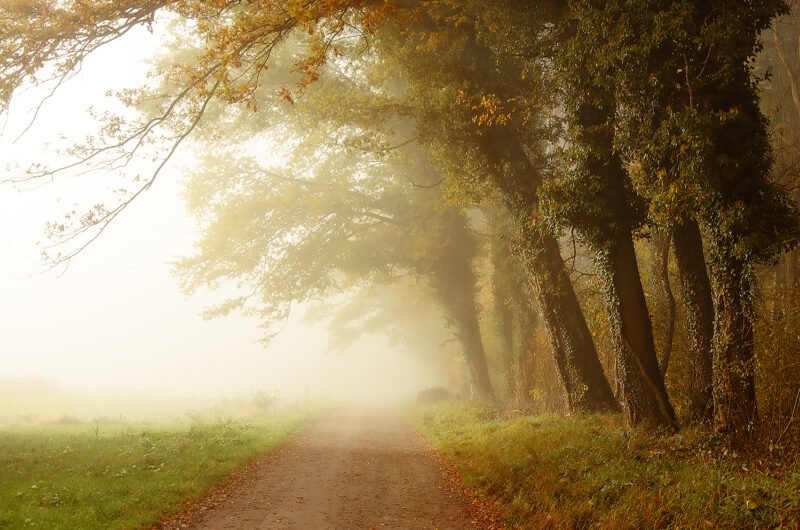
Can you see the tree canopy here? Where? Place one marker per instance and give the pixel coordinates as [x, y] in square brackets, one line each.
[349, 143]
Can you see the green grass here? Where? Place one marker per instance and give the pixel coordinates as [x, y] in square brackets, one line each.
[118, 475]
[549, 472]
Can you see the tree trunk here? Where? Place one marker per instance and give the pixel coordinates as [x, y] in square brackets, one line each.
[699, 308]
[582, 378]
[454, 283]
[525, 353]
[661, 244]
[502, 277]
[462, 316]
[735, 410]
[643, 393]
[470, 338]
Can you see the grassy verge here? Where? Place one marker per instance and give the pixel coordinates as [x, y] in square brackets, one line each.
[549, 472]
[121, 475]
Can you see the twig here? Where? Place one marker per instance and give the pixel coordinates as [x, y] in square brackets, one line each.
[791, 417]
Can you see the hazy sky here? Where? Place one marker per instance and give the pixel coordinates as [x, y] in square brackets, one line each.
[116, 319]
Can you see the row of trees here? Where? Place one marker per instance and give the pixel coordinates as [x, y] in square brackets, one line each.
[403, 125]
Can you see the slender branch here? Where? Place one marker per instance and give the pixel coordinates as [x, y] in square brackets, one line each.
[105, 220]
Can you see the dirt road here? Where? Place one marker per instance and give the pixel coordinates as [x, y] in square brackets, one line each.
[348, 470]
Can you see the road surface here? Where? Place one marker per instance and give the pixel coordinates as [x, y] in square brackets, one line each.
[348, 470]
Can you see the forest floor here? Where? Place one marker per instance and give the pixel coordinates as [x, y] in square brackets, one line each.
[349, 469]
[593, 472]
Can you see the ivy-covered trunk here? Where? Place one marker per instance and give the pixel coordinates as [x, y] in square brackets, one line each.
[582, 378]
[662, 242]
[580, 372]
[642, 391]
[608, 229]
[699, 309]
[735, 410]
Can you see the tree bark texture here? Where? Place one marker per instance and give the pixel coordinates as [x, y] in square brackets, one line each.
[698, 305]
[661, 244]
[582, 378]
[643, 394]
[735, 409]
[525, 353]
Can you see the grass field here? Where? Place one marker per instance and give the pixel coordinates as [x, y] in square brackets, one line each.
[121, 475]
[590, 471]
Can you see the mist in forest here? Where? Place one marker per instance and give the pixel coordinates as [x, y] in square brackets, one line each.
[403, 199]
[360, 264]
[110, 334]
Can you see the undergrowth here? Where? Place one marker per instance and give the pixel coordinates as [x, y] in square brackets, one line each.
[590, 471]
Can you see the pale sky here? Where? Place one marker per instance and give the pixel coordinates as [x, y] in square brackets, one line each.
[116, 320]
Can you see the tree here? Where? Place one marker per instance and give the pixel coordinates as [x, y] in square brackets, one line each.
[689, 102]
[503, 275]
[597, 150]
[479, 115]
[345, 210]
[592, 194]
[695, 288]
[514, 316]
[231, 45]
[236, 41]
[661, 250]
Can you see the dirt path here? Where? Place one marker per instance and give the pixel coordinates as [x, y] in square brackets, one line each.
[348, 470]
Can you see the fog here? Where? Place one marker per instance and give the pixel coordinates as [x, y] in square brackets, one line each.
[111, 331]
[317, 264]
